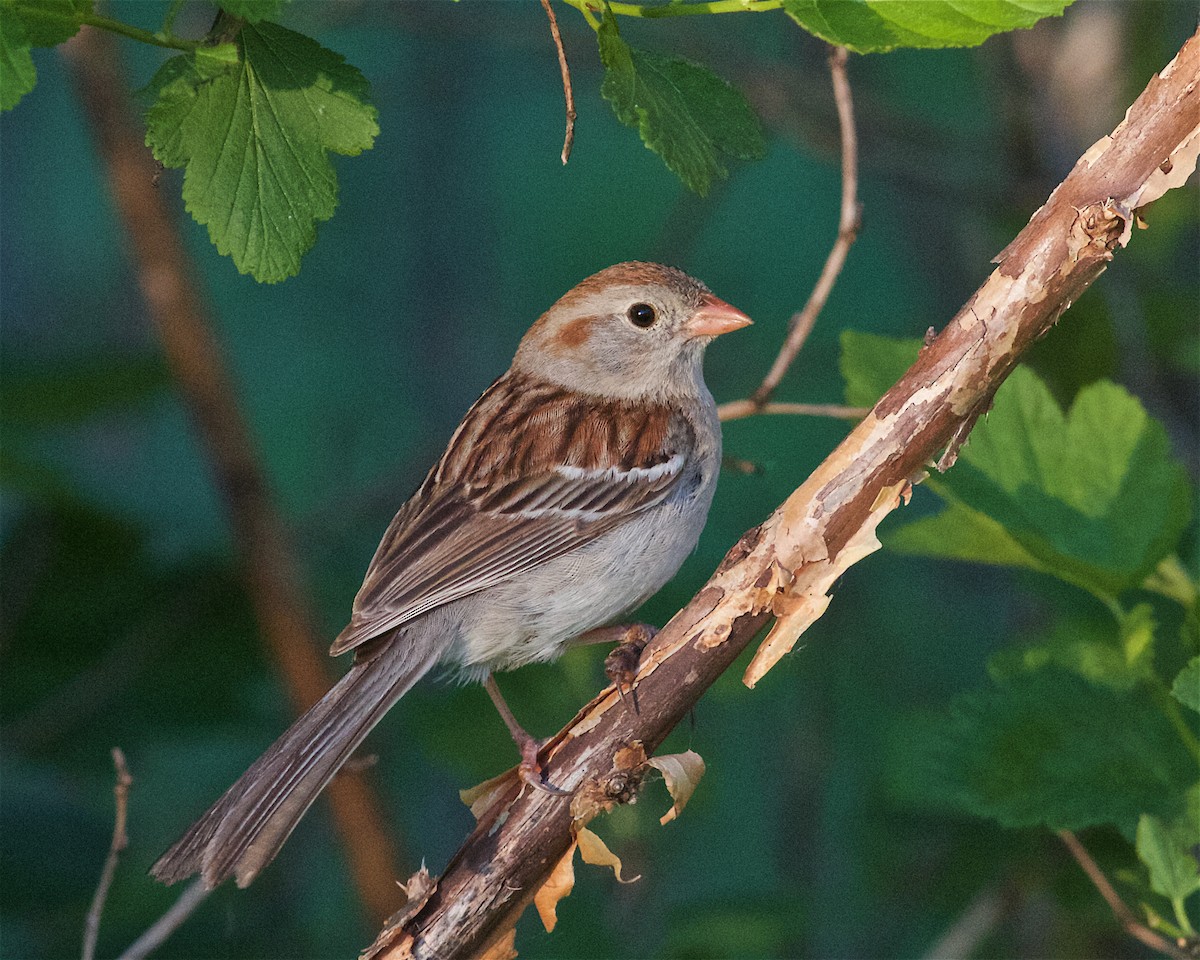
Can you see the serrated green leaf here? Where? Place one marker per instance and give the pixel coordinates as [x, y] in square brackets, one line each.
[1047, 748]
[49, 22]
[1186, 688]
[683, 112]
[1167, 853]
[1092, 649]
[1094, 496]
[960, 533]
[871, 364]
[17, 73]
[874, 26]
[252, 11]
[254, 140]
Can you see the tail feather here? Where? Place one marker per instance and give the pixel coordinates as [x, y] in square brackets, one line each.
[243, 831]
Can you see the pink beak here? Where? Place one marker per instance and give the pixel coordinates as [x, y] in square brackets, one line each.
[714, 318]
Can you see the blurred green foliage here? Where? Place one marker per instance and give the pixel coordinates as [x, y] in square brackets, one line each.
[123, 620]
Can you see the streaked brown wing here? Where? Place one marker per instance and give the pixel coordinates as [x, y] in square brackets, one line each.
[456, 547]
[472, 525]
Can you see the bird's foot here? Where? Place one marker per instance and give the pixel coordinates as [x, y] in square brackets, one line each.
[530, 770]
[621, 665]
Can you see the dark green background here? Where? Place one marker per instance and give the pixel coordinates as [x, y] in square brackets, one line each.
[123, 620]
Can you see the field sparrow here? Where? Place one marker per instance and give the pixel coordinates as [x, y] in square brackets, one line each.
[572, 490]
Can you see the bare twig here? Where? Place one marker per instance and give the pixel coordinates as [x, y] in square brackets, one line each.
[786, 567]
[569, 137]
[739, 409]
[849, 220]
[120, 840]
[192, 896]
[270, 571]
[1126, 917]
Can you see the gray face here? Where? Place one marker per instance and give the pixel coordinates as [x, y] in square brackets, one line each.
[621, 336]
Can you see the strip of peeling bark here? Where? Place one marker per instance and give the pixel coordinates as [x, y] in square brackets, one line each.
[785, 567]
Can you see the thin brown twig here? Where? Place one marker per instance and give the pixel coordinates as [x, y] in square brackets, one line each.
[1126, 917]
[739, 409]
[168, 923]
[120, 840]
[569, 137]
[849, 220]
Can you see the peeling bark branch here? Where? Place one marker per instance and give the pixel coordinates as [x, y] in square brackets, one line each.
[174, 304]
[785, 567]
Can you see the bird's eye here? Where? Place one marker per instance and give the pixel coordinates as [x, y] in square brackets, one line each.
[642, 315]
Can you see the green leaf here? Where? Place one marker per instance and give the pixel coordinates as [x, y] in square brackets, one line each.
[1048, 748]
[683, 112]
[49, 22]
[17, 72]
[1093, 498]
[254, 138]
[874, 26]
[1090, 649]
[1166, 850]
[871, 364]
[1186, 688]
[959, 533]
[252, 11]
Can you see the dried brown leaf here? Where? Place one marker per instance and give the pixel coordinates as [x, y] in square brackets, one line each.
[681, 772]
[481, 796]
[559, 884]
[503, 947]
[593, 850]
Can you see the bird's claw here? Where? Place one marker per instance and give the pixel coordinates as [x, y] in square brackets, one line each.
[621, 665]
[530, 770]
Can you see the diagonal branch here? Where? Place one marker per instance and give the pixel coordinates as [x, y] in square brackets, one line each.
[175, 306]
[785, 567]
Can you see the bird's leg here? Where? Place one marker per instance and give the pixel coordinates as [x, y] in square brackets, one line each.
[530, 771]
[620, 666]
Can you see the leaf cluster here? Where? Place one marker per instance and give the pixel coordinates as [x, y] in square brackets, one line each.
[252, 111]
[1094, 720]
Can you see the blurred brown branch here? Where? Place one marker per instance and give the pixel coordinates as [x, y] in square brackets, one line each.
[175, 305]
[785, 567]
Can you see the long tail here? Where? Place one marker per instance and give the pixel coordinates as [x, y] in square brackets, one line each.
[242, 832]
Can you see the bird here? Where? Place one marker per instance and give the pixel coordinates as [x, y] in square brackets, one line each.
[572, 491]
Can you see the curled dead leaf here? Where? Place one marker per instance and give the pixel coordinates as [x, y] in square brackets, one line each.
[593, 850]
[559, 884]
[681, 772]
[481, 796]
